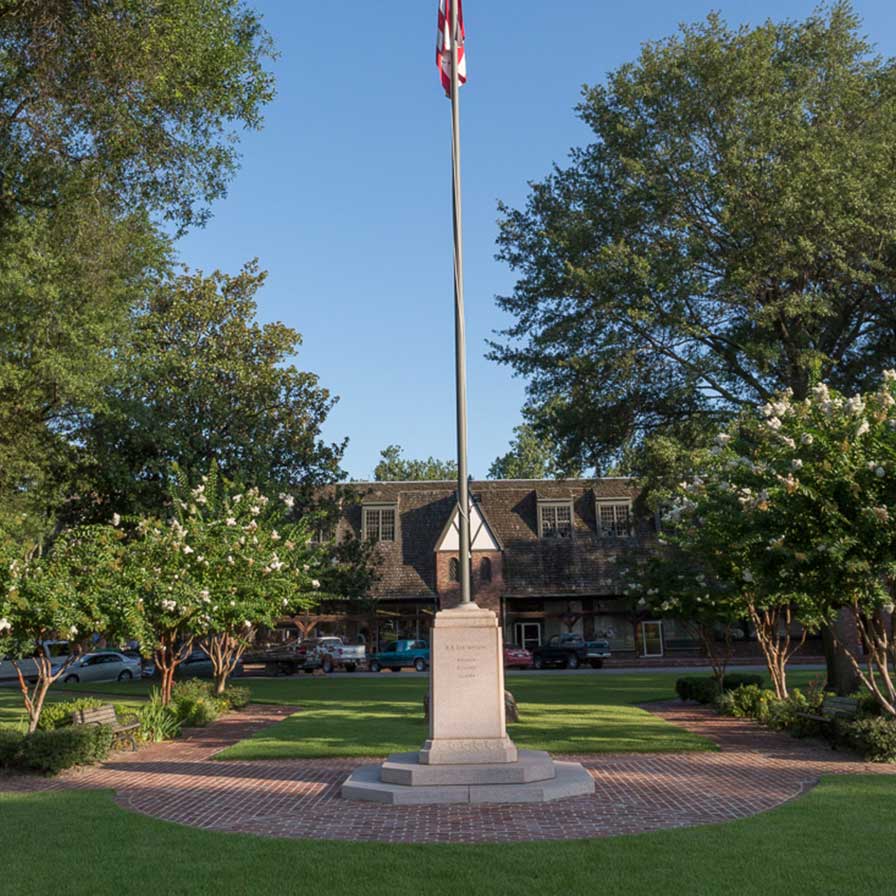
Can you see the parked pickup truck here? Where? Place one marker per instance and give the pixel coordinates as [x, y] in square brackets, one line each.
[57, 651]
[598, 651]
[331, 653]
[567, 651]
[398, 655]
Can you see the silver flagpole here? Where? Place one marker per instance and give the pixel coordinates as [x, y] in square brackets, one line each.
[463, 497]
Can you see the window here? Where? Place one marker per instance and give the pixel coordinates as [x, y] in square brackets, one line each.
[614, 520]
[454, 569]
[555, 519]
[379, 524]
[485, 569]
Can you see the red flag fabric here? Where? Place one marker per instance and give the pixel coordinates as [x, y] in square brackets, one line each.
[444, 44]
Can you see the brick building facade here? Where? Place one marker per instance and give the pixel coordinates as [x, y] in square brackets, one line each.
[543, 558]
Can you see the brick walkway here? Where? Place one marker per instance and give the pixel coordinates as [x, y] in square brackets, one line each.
[754, 771]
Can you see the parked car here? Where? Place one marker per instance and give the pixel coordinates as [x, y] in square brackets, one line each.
[107, 665]
[567, 651]
[57, 651]
[330, 653]
[398, 655]
[598, 651]
[516, 657]
[198, 665]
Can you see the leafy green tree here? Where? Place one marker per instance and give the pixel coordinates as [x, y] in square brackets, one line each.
[730, 232]
[686, 582]
[68, 280]
[202, 381]
[392, 467]
[249, 562]
[132, 101]
[72, 593]
[795, 508]
[531, 456]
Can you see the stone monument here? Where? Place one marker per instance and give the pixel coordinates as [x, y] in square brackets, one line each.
[468, 757]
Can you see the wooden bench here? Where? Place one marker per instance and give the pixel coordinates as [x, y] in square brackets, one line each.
[833, 708]
[123, 730]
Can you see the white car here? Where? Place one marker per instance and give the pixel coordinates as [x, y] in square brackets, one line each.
[109, 665]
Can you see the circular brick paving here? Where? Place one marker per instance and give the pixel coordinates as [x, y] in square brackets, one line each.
[754, 771]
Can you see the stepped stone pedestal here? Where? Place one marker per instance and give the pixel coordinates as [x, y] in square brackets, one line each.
[468, 757]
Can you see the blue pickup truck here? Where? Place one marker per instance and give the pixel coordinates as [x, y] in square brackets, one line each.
[398, 655]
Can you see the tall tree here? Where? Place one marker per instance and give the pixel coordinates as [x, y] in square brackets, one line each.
[135, 101]
[531, 456]
[730, 232]
[393, 467]
[69, 278]
[202, 381]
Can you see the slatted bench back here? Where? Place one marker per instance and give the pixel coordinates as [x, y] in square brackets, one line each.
[102, 715]
[840, 707]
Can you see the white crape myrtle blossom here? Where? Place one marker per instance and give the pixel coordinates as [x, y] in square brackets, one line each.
[863, 429]
[116, 519]
[807, 438]
[5, 626]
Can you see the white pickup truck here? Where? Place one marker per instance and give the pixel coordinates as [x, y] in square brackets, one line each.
[57, 651]
[331, 653]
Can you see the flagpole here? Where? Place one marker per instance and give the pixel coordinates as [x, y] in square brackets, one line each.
[463, 497]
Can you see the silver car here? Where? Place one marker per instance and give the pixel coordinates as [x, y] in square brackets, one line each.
[106, 666]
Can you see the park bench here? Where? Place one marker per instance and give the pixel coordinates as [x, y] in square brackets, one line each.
[832, 709]
[123, 730]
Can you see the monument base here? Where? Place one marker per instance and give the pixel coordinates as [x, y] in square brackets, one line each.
[473, 751]
[567, 779]
[468, 757]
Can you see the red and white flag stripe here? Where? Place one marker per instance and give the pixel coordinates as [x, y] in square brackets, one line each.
[444, 44]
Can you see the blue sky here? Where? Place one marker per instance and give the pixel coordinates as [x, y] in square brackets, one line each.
[344, 196]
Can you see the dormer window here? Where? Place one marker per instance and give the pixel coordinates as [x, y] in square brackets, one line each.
[378, 523]
[555, 519]
[614, 519]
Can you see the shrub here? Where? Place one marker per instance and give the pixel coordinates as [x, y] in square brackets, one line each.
[874, 738]
[738, 680]
[157, 721]
[699, 688]
[237, 696]
[747, 702]
[705, 689]
[61, 748]
[58, 715]
[10, 747]
[195, 703]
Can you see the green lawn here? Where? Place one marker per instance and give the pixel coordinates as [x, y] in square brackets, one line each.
[832, 841]
[342, 715]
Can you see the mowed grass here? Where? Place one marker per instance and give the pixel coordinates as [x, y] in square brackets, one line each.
[344, 716]
[832, 841]
[348, 716]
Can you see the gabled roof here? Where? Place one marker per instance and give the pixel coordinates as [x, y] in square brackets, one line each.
[583, 564]
[481, 536]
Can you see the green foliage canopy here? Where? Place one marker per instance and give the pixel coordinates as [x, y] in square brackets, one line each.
[730, 232]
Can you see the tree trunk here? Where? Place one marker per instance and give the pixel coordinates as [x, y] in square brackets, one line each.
[35, 696]
[777, 647]
[167, 658]
[225, 652]
[840, 639]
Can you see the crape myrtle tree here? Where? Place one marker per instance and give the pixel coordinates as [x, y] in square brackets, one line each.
[726, 557]
[222, 563]
[729, 233]
[684, 583]
[253, 565]
[202, 381]
[817, 478]
[71, 593]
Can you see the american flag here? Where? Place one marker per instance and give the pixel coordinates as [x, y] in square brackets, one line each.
[443, 45]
